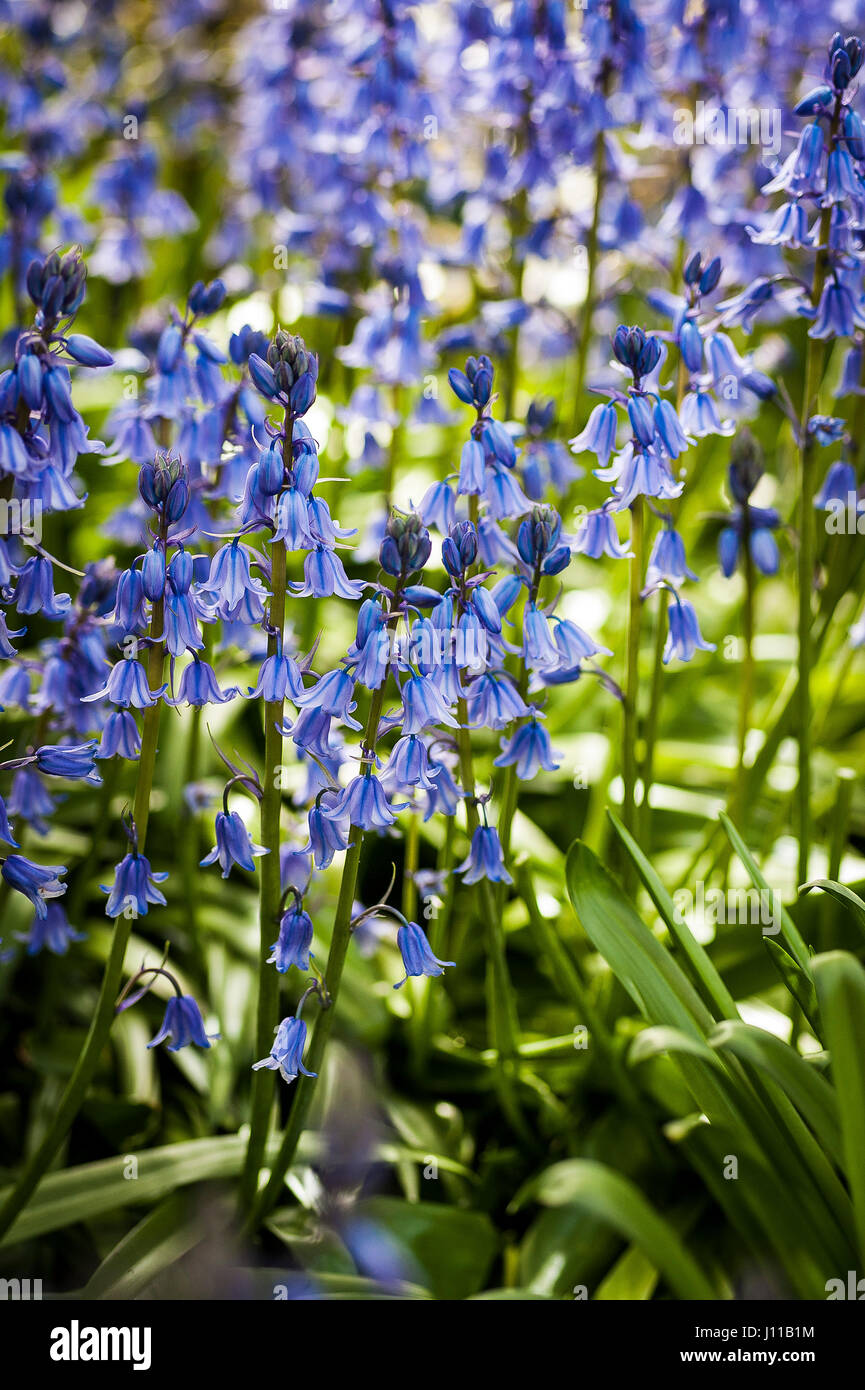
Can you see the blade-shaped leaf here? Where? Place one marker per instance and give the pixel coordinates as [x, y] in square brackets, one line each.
[608, 1196]
[840, 981]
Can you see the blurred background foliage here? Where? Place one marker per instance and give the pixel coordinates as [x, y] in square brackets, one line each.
[411, 1183]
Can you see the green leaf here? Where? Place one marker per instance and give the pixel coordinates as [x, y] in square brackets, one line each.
[840, 981]
[166, 1233]
[789, 930]
[698, 959]
[797, 981]
[91, 1190]
[661, 991]
[844, 895]
[452, 1248]
[609, 1197]
[806, 1088]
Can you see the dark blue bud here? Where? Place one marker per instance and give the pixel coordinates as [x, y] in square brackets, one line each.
[814, 101]
[483, 385]
[30, 380]
[710, 276]
[841, 69]
[854, 49]
[169, 349]
[87, 352]
[213, 297]
[262, 376]
[558, 560]
[153, 574]
[853, 134]
[177, 500]
[691, 273]
[649, 356]
[460, 385]
[302, 394]
[389, 557]
[270, 470]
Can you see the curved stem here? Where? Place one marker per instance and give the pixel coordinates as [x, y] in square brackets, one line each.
[502, 1021]
[271, 806]
[814, 364]
[648, 768]
[747, 689]
[303, 1094]
[629, 750]
[438, 936]
[103, 1016]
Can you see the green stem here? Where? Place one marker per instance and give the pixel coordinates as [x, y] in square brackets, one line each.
[648, 769]
[632, 678]
[269, 892]
[814, 363]
[746, 693]
[502, 1021]
[103, 1016]
[303, 1093]
[438, 936]
[410, 867]
[841, 820]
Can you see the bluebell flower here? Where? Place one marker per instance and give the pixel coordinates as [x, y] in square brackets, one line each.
[539, 647]
[528, 750]
[667, 560]
[34, 592]
[826, 429]
[30, 799]
[51, 932]
[120, 737]
[38, 882]
[286, 1055]
[683, 637]
[199, 686]
[332, 695]
[133, 891]
[325, 576]
[184, 1024]
[129, 610]
[234, 844]
[437, 507]
[443, 794]
[485, 858]
[494, 701]
[417, 956]
[5, 828]
[364, 801]
[597, 536]
[294, 940]
[278, 679]
[328, 835]
[408, 766]
[839, 314]
[839, 483]
[762, 522]
[423, 706]
[71, 760]
[668, 429]
[699, 415]
[295, 869]
[788, 226]
[127, 685]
